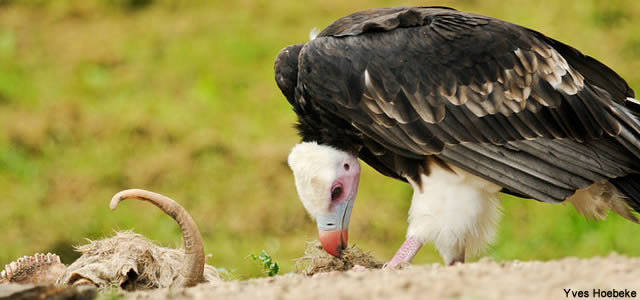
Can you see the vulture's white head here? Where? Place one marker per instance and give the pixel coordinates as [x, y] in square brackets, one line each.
[327, 182]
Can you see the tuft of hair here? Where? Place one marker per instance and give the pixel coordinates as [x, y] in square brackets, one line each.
[316, 260]
[130, 261]
[314, 33]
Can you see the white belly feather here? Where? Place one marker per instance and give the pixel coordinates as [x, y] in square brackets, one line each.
[457, 212]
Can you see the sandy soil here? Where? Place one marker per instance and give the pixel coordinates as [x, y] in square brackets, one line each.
[481, 280]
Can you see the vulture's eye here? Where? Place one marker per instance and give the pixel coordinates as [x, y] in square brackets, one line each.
[336, 192]
[346, 167]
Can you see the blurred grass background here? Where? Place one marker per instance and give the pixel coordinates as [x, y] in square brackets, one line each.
[178, 97]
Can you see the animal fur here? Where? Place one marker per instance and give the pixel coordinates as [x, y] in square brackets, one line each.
[130, 261]
[127, 260]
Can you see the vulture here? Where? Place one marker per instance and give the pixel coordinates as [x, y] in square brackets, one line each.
[460, 106]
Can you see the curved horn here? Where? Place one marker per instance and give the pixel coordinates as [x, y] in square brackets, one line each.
[193, 245]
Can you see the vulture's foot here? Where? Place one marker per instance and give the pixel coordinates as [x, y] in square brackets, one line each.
[458, 259]
[406, 253]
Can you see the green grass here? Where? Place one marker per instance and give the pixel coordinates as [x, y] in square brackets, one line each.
[178, 97]
[269, 267]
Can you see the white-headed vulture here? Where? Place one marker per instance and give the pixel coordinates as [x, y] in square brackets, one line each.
[461, 106]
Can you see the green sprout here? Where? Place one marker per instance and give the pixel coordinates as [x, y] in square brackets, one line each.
[270, 267]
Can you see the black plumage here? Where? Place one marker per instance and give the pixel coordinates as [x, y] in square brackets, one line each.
[400, 86]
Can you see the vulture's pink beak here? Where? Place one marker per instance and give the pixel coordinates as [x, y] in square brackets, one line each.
[334, 241]
[333, 229]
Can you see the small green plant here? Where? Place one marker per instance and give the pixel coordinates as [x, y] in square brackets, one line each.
[265, 259]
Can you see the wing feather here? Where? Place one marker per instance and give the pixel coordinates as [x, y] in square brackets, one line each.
[498, 100]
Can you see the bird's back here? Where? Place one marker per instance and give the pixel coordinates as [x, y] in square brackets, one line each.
[498, 100]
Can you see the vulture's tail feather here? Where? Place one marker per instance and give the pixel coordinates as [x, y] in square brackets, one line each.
[630, 186]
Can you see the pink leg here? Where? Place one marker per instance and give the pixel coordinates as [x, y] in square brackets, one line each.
[459, 259]
[406, 253]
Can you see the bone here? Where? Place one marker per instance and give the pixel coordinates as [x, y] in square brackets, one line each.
[39, 268]
[127, 259]
[193, 245]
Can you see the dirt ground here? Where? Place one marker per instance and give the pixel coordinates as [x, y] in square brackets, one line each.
[485, 279]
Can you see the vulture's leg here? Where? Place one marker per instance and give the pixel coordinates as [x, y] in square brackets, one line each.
[458, 259]
[406, 253]
[454, 210]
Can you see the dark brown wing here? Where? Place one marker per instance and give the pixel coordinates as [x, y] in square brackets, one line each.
[496, 99]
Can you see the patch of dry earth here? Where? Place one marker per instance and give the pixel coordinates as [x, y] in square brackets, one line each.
[485, 279]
